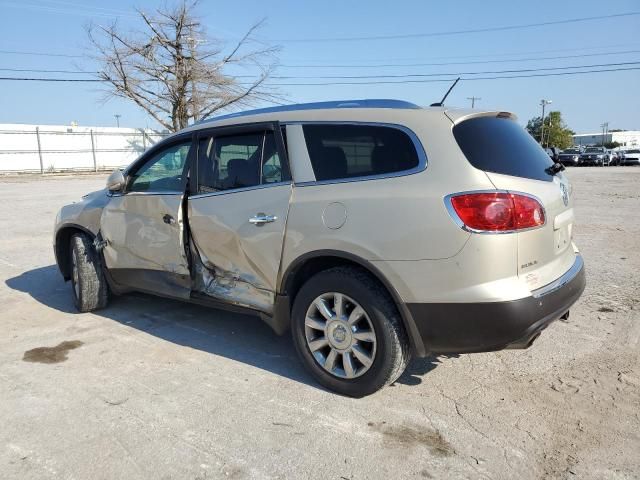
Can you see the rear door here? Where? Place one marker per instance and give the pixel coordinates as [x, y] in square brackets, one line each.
[515, 162]
[143, 226]
[237, 214]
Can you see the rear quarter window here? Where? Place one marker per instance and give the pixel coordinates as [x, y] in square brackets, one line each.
[342, 151]
[500, 145]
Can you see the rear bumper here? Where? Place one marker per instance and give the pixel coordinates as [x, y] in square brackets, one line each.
[485, 327]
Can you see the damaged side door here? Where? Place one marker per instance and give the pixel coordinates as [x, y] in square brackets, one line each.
[142, 227]
[237, 214]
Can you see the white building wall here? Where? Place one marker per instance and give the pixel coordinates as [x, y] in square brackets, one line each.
[628, 139]
[70, 147]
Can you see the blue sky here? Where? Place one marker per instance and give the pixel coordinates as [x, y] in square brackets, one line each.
[57, 26]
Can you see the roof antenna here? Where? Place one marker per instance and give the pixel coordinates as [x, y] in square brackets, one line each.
[441, 102]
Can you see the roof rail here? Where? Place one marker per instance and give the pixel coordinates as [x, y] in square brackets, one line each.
[367, 103]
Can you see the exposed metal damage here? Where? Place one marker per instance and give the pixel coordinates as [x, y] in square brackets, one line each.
[228, 285]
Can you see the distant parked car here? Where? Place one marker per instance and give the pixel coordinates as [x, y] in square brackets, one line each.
[570, 157]
[597, 156]
[632, 157]
[617, 158]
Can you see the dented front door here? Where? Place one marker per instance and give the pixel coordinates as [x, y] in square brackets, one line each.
[143, 227]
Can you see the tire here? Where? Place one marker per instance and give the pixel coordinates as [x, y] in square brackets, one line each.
[390, 351]
[89, 287]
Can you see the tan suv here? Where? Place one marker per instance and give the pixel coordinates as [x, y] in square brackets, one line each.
[375, 230]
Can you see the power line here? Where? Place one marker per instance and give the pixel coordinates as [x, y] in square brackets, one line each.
[393, 82]
[56, 54]
[71, 10]
[457, 32]
[24, 79]
[292, 77]
[448, 80]
[384, 65]
[509, 27]
[93, 7]
[383, 82]
[453, 74]
[440, 74]
[555, 74]
[502, 54]
[30, 70]
[42, 54]
[356, 77]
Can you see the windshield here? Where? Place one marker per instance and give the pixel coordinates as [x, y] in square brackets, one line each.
[594, 149]
[571, 150]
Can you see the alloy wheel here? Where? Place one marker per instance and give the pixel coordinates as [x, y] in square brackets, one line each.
[340, 335]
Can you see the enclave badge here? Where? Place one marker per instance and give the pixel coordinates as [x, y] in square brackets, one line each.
[565, 194]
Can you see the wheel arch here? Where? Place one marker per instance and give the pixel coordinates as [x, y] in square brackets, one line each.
[314, 262]
[61, 245]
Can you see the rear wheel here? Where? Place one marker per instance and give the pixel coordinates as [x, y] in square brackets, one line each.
[90, 289]
[348, 332]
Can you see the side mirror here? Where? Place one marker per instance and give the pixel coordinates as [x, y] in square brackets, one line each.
[116, 181]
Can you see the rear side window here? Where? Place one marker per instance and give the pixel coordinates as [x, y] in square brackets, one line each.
[348, 151]
[500, 145]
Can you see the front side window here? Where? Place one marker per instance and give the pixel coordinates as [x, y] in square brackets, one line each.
[348, 151]
[238, 161]
[163, 172]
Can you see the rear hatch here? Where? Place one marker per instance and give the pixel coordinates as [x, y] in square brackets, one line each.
[514, 162]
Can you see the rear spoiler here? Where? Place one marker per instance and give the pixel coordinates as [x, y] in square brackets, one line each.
[458, 115]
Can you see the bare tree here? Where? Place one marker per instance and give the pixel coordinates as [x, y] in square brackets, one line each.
[175, 72]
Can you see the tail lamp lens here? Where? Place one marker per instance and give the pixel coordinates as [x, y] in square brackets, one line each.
[498, 211]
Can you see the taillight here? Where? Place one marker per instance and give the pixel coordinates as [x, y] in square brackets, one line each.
[497, 211]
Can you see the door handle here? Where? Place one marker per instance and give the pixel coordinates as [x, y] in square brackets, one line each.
[168, 219]
[260, 219]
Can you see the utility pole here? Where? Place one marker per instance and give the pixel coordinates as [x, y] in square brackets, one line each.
[117, 115]
[605, 129]
[473, 100]
[543, 103]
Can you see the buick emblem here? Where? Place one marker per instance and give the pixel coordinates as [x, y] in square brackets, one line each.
[565, 194]
[340, 334]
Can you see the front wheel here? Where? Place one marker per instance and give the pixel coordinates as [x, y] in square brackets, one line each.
[90, 289]
[348, 332]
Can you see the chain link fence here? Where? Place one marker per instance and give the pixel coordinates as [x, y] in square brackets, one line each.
[50, 149]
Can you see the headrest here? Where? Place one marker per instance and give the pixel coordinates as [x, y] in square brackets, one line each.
[240, 174]
[333, 164]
